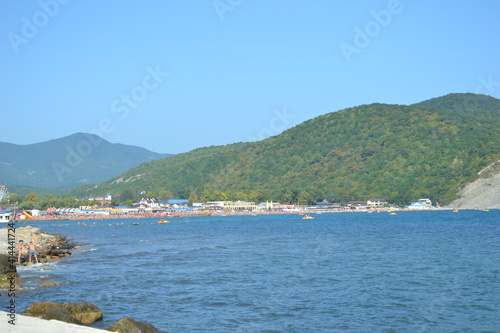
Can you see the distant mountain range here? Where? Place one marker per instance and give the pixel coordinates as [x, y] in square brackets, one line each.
[402, 153]
[68, 162]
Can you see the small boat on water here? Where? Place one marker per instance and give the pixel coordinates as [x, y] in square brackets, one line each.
[308, 217]
[163, 221]
[393, 213]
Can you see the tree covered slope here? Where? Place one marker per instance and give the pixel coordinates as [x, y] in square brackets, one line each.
[398, 152]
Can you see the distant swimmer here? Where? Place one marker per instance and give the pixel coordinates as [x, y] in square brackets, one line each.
[33, 251]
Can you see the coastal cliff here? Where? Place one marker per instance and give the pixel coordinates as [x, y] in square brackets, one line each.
[484, 193]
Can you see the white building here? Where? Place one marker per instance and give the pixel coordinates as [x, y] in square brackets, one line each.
[376, 202]
[240, 205]
[149, 202]
[421, 204]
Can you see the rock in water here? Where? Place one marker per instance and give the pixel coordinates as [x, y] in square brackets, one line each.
[48, 283]
[46, 244]
[37, 309]
[6, 272]
[5, 265]
[128, 325]
[61, 315]
[84, 313]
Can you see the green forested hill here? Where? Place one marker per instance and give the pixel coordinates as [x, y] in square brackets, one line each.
[401, 153]
[481, 106]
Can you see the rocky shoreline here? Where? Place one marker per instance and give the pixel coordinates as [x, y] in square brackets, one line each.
[84, 314]
[49, 248]
[56, 319]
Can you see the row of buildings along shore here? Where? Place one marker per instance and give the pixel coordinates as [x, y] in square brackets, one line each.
[152, 203]
[156, 206]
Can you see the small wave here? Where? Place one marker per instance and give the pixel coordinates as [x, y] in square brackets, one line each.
[217, 304]
[183, 281]
[38, 267]
[27, 288]
[156, 240]
[127, 255]
[89, 250]
[418, 283]
[299, 308]
[204, 248]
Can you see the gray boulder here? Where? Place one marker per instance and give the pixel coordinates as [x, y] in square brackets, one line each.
[61, 315]
[83, 313]
[5, 265]
[6, 273]
[129, 325]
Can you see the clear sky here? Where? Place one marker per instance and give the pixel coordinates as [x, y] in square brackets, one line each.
[172, 76]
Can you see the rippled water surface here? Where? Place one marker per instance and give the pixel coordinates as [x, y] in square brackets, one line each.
[341, 272]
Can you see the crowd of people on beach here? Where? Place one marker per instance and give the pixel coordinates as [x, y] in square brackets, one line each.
[179, 213]
[159, 214]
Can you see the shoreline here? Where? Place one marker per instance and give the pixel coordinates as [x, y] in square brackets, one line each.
[49, 247]
[32, 324]
[89, 216]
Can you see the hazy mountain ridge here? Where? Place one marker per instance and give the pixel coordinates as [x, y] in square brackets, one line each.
[68, 162]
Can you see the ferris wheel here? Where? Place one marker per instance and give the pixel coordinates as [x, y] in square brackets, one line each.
[3, 192]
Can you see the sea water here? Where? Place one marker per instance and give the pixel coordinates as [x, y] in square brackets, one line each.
[429, 271]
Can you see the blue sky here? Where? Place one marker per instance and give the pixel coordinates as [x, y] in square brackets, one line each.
[172, 76]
